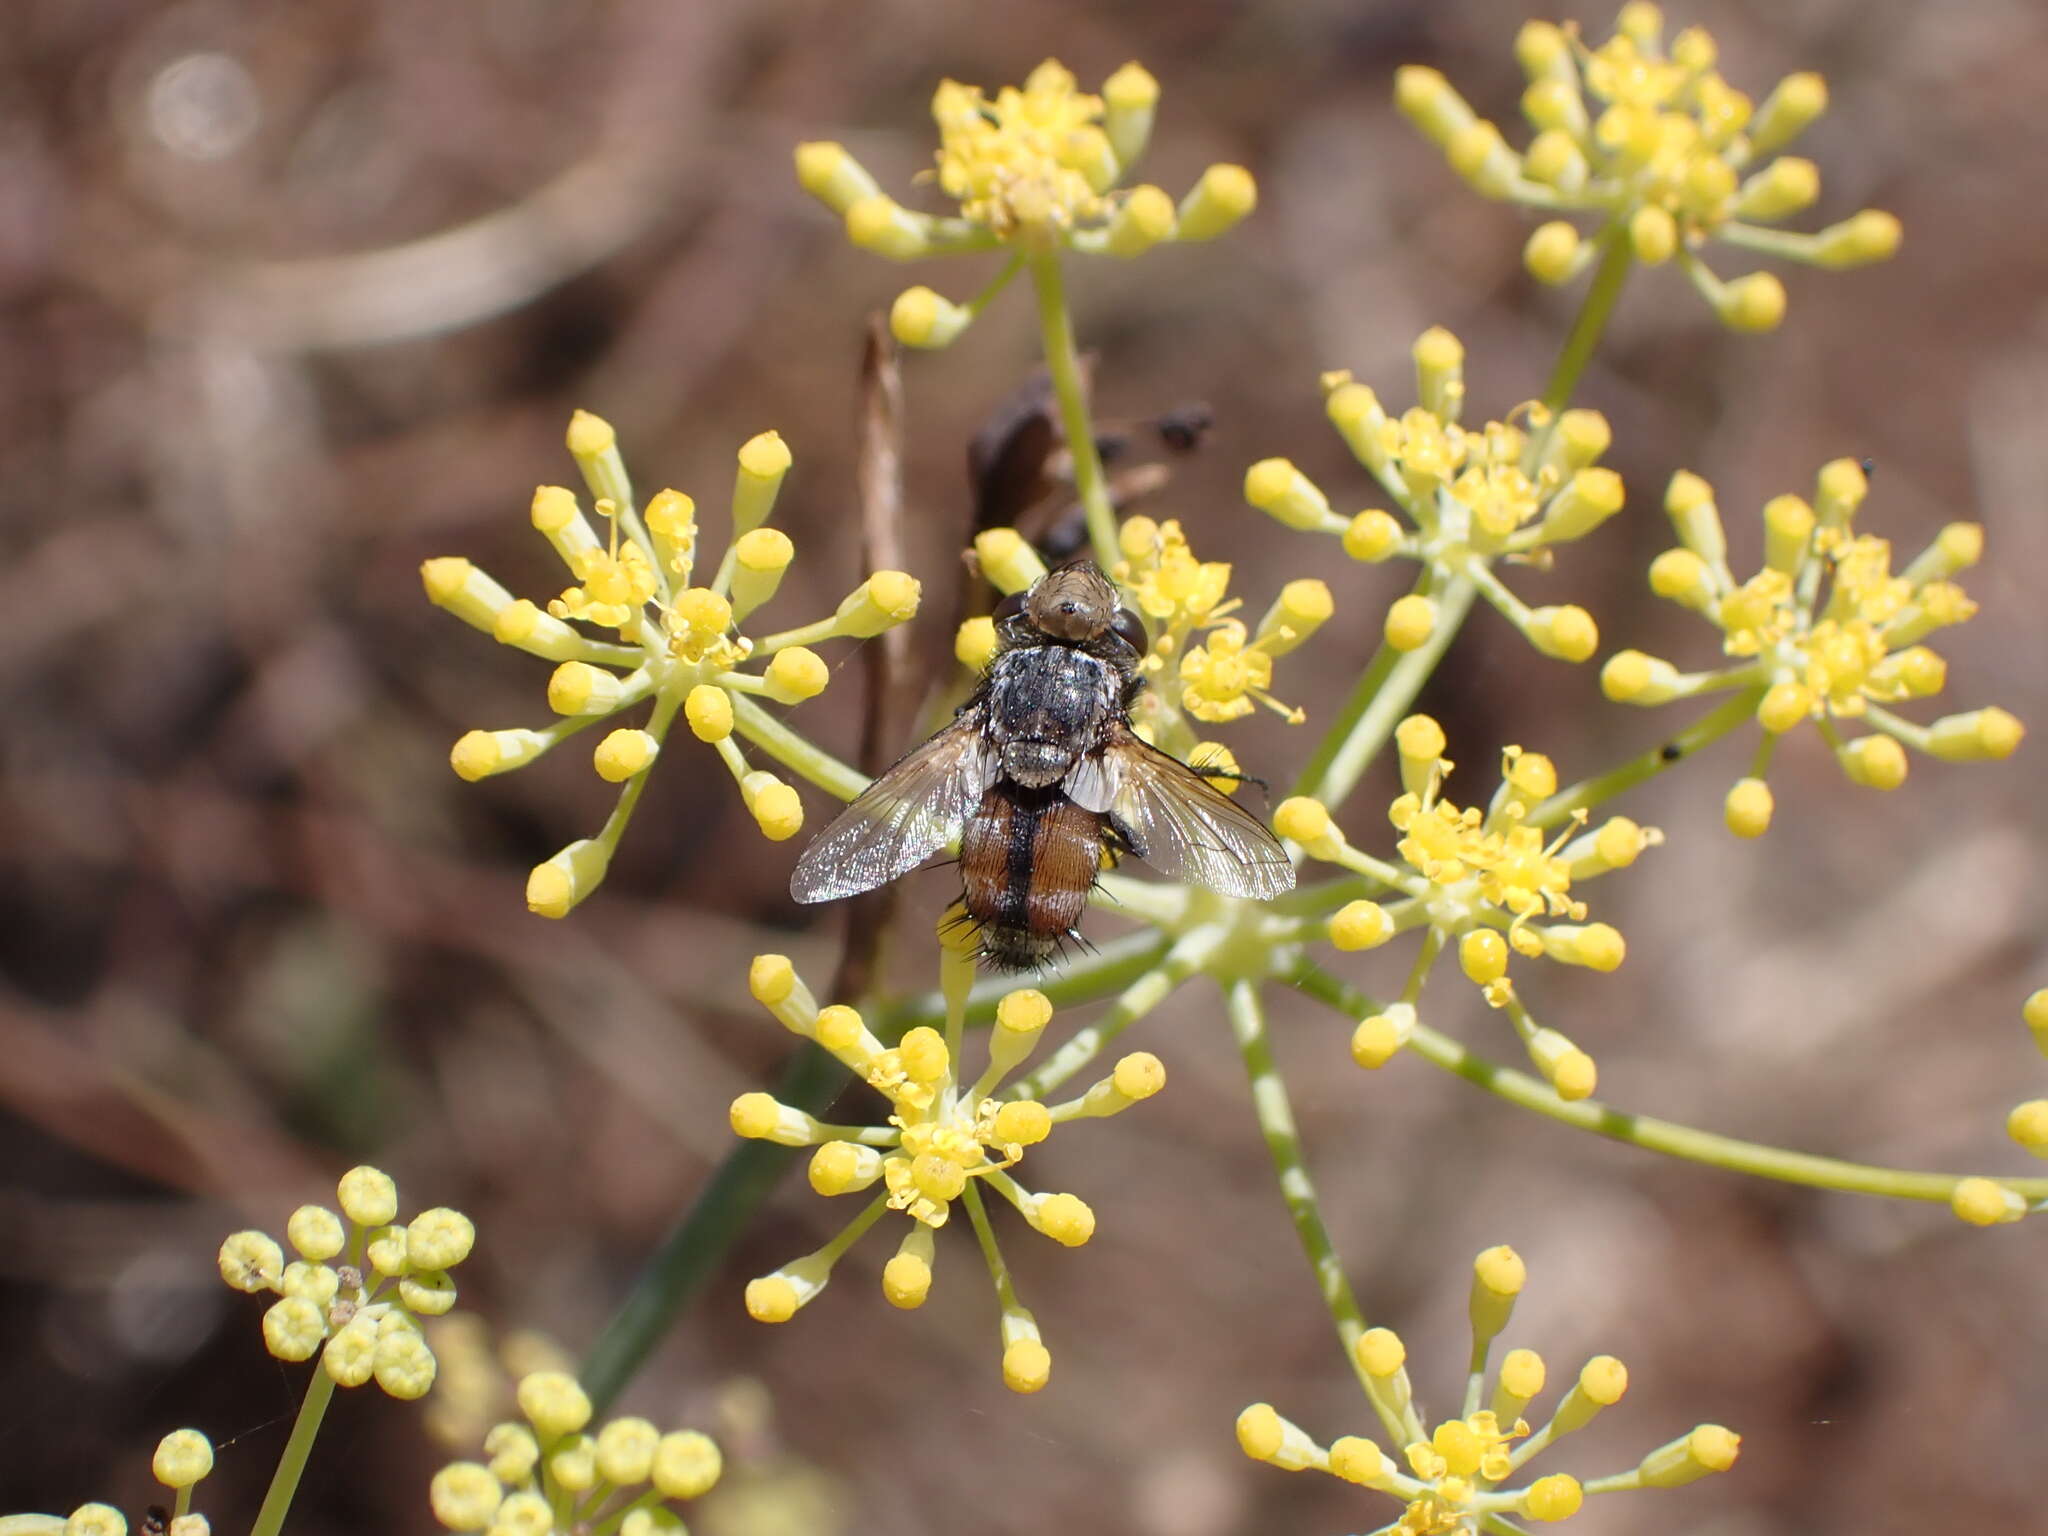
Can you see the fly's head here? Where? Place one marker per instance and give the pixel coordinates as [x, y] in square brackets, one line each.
[1073, 605]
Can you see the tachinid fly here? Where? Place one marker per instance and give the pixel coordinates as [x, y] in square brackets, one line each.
[1037, 773]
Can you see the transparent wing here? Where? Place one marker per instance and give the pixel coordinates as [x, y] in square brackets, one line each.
[1185, 827]
[902, 818]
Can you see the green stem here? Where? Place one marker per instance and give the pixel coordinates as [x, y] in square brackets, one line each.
[1645, 766]
[1283, 1142]
[1654, 1135]
[793, 751]
[1136, 1000]
[1616, 257]
[1063, 363]
[693, 1250]
[1383, 696]
[284, 1482]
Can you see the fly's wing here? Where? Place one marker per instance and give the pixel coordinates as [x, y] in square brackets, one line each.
[1178, 822]
[902, 818]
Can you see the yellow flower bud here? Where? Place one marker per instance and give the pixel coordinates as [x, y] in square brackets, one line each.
[709, 711]
[1303, 820]
[974, 644]
[1372, 536]
[1794, 103]
[1298, 612]
[832, 176]
[315, 1231]
[1483, 956]
[1023, 1122]
[907, 1280]
[1980, 1202]
[796, 673]
[182, 1458]
[686, 1465]
[465, 1496]
[774, 805]
[452, 583]
[1439, 372]
[1982, 735]
[1876, 762]
[1129, 98]
[1780, 189]
[1784, 706]
[367, 1196]
[1264, 1436]
[1289, 497]
[1566, 632]
[1597, 946]
[578, 688]
[1556, 1497]
[553, 888]
[1218, 764]
[553, 1402]
[1065, 1219]
[1747, 809]
[759, 559]
[1224, 195]
[1709, 1448]
[1555, 159]
[1429, 101]
[880, 224]
[625, 1451]
[1027, 1366]
[1862, 238]
[624, 753]
[1360, 925]
[1755, 302]
[1144, 218]
[840, 1167]
[1007, 560]
[1410, 621]
[1653, 234]
[1380, 1036]
[884, 600]
[921, 317]
[1482, 158]
[1682, 577]
[1552, 253]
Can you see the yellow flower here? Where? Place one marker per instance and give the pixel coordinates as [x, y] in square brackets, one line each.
[1652, 141]
[1825, 631]
[946, 1140]
[678, 643]
[1513, 489]
[1454, 1472]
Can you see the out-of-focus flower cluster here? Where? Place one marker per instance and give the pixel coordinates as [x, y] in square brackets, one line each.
[1662, 151]
[1825, 631]
[1204, 663]
[360, 1285]
[678, 642]
[1469, 497]
[547, 1476]
[1034, 169]
[946, 1139]
[1480, 881]
[1452, 1485]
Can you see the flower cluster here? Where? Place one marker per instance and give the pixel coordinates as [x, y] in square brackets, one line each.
[1662, 151]
[1486, 882]
[360, 1286]
[1824, 631]
[1204, 663]
[946, 1139]
[677, 643]
[1512, 488]
[1452, 1486]
[1033, 169]
[547, 1477]
[183, 1458]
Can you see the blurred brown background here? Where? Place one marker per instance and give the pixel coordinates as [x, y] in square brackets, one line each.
[292, 297]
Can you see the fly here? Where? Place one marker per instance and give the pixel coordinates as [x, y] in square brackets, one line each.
[1037, 774]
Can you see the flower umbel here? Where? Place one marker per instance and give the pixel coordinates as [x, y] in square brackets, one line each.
[1454, 1471]
[1661, 151]
[1482, 882]
[1468, 497]
[1033, 168]
[679, 645]
[547, 1477]
[946, 1140]
[1825, 631]
[356, 1294]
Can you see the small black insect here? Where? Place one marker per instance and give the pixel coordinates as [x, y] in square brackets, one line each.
[1039, 771]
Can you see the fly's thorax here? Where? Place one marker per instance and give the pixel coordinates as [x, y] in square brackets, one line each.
[1052, 693]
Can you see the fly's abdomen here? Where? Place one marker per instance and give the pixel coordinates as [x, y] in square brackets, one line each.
[1027, 861]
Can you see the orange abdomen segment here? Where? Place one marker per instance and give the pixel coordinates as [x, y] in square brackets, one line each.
[1027, 860]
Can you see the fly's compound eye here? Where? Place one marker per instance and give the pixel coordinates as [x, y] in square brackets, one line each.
[1009, 607]
[1130, 629]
